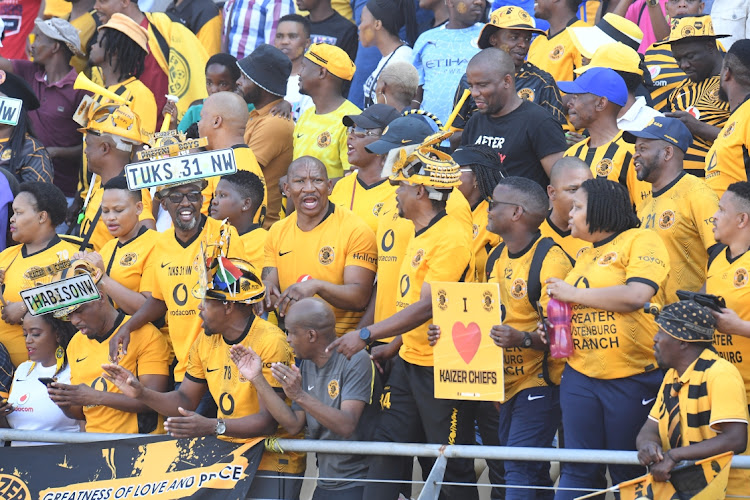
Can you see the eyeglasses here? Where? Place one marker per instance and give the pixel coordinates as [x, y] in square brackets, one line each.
[493, 203]
[362, 132]
[192, 196]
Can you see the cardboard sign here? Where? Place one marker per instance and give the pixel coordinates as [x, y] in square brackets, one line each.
[468, 365]
[10, 110]
[180, 169]
[169, 146]
[64, 293]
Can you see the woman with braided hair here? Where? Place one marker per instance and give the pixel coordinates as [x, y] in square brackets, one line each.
[119, 50]
[612, 378]
[379, 26]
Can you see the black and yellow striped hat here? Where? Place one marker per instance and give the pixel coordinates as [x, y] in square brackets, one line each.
[687, 321]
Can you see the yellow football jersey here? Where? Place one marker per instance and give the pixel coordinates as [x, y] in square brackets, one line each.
[613, 161]
[483, 240]
[170, 276]
[254, 242]
[245, 160]
[728, 278]
[393, 236]
[558, 55]
[125, 263]
[100, 234]
[728, 160]
[324, 137]
[209, 363]
[682, 215]
[609, 345]
[431, 256]
[366, 201]
[20, 271]
[702, 101]
[148, 354]
[341, 239]
[524, 368]
[572, 246]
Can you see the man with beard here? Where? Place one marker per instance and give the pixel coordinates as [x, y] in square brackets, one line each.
[697, 102]
[320, 249]
[166, 275]
[728, 160]
[525, 136]
[91, 398]
[701, 409]
[263, 83]
[226, 312]
[680, 207]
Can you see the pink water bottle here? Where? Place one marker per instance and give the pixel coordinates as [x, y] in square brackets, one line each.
[560, 339]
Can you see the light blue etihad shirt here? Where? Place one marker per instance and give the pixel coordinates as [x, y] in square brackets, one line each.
[441, 56]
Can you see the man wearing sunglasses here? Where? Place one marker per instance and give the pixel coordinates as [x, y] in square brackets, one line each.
[167, 275]
[111, 134]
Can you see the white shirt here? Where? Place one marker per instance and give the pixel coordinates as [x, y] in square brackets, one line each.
[731, 17]
[638, 116]
[34, 410]
[300, 102]
[402, 53]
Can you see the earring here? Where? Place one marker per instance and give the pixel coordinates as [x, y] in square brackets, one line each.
[59, 358]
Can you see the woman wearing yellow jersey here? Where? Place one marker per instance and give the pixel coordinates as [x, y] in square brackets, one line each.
[612, 378]
[38, 208]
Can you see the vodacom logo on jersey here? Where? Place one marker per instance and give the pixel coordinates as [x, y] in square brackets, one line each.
[22, 403]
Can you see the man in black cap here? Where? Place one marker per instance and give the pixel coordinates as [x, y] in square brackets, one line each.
[701, 409]
[263, 83]
[364, 191]
[20, 153]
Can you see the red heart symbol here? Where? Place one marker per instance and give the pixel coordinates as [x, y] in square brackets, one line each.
[466, 339]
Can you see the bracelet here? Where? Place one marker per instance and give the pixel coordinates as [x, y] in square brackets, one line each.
[668, 454]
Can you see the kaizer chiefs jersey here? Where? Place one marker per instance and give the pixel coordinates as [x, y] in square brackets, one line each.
[431, 256]
[254, 242]
[125, 262]
[609, 345]
[209, 363]
[245, 160]
[728, 277]
[100, 234]
[341, 239]
[483, 240]
[572, 246]
[557, 55]
[524, 367]
[702, 101]
[682, 215]
[393, 236]
[613, 161]
[170, 276]
[148, 354]
[728, 161]
[22, 271]
[366, 201]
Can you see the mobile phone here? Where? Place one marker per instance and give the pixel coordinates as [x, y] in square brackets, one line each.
[46, 380]
[542, 318]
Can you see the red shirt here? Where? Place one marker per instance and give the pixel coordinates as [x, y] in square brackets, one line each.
[18, 16]
[155, 79]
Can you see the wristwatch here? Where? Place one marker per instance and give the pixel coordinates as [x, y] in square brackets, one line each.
[526, 342]
[221, 427]
[364, 334]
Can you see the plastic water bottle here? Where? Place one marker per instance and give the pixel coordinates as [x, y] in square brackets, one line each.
[560, 341]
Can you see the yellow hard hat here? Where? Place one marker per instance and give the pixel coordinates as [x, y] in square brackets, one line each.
[115, 119]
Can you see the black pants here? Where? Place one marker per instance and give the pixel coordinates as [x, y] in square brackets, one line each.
[411, 414]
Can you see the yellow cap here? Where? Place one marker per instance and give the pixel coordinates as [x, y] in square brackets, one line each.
[610, 28]
[616, 56]
[115, 119]
[510, 18]
[691, 28]
[332, 58]
[132, 29]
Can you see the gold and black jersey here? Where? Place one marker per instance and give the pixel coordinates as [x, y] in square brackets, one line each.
[365, 200]
[572, 246]
[702, 101]
[728, 160]
[483, 241]
[607, 344]
[613, 161]
[681, 214]
[557, 55]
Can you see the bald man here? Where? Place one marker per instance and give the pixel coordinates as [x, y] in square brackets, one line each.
[564, 180]
[526, 137]
[320, 249]
[223, 119]
[331, 396]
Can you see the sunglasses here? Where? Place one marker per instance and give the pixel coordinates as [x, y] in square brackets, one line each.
[362, 132]
[192, 196]
[493, 203]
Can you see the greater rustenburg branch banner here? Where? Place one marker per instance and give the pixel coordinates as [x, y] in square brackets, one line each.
[161, 468]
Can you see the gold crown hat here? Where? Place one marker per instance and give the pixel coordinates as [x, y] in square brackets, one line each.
[427, 166]
[691, 28]
[77, 267]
